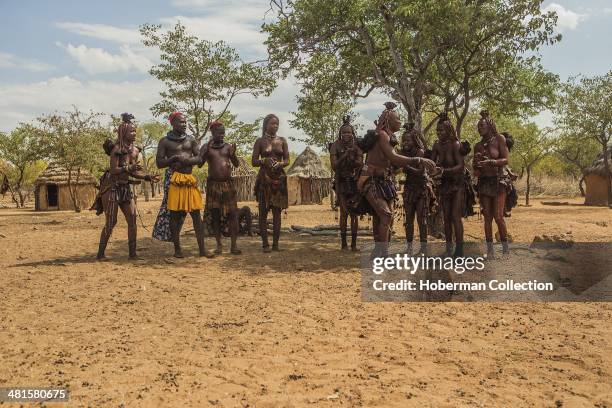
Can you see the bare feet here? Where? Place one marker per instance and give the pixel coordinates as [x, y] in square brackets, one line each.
[207, 254]
[235, 251]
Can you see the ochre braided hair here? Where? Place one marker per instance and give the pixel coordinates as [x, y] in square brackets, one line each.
[346, 123]
[383, 120]
[484, 115]
[122, 133]
[444, 121]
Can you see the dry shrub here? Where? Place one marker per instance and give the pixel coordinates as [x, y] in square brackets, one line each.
[545, 185]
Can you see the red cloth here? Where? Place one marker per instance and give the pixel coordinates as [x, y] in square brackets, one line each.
[215, 124]
[173, 115]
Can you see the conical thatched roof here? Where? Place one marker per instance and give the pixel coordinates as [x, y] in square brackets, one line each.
[598, 165]
[243, 170]
[55, 174]
[309, 165]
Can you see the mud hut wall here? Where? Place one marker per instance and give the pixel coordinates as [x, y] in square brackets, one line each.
[294, 190]
[596, 190]
[320, 189]
[315, 190]
[86, 194]
[40, 201]
[37, 198]
[245, 186]
[303, 191]
[306, 190]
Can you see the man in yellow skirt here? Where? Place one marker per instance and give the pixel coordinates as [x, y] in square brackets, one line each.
[179, 152]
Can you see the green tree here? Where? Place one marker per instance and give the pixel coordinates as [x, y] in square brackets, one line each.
[416, 51]
[585, 111]
[323, 100]
[243, 134]
[148, 135]
[199, 73]
[22, 154]
[491, 60]
[575, 153]
[75, 143]
[531, 145]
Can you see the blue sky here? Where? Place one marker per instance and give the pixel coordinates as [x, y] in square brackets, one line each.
[63, 52]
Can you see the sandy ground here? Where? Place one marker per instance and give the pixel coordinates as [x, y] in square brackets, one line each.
[281, 330]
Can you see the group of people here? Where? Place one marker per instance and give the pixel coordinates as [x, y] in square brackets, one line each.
[362, 185]
[435, 178]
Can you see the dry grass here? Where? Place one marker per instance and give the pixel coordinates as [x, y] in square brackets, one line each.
[549, 186]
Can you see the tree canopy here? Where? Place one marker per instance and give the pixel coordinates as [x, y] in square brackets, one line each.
[426, 54]
[585, 111]
[200, 75]
[74, 140]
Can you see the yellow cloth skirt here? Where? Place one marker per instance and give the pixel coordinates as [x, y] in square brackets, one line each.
[183, 193]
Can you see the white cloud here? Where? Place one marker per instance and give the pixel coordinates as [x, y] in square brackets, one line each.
[99, 61]
[607, 10]
[566, 19]
[245, 37]
[243, 10]
[12, 61]
[239, 26]
[25, 102]
[103, 32]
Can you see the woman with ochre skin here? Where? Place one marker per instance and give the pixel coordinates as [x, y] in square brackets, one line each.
[490, 159]
[271, 155]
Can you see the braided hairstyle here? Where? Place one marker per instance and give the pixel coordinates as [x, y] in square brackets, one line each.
[445, 123]
[419, 140]
[123, 131]
[266, 120]
[484, 116]
[383, 120]
[346, 123]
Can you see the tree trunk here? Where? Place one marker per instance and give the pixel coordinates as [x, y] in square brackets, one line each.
[528, 170]
[580, 186]
[14, 198]
[145, 184]
[71, 190]
[608, 173]
[18, 189]
[145, 190]
[407, 97]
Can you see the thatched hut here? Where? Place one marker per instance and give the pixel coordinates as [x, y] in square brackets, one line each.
[51, 189]
[308, 180]
[596, 182]
[243, 179]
